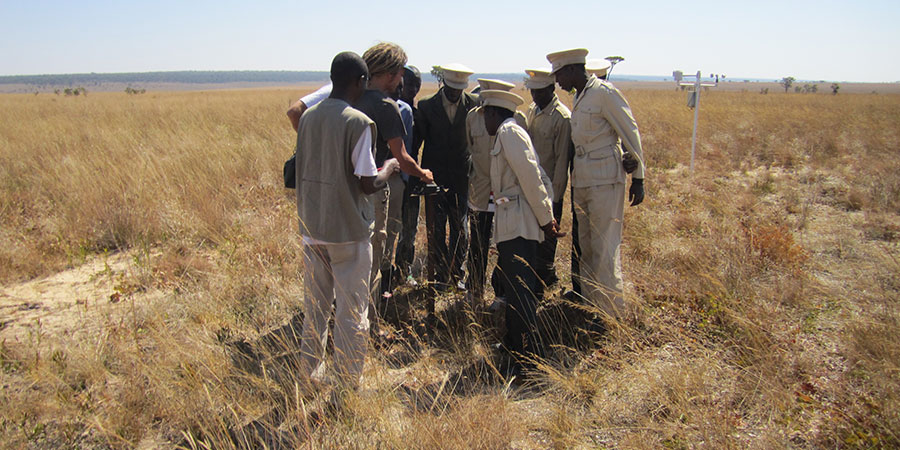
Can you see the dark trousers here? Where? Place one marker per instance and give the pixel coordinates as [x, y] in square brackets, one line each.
[546, 255]
[520, 283]
[480, 227]
[446, 253]
[576, 249]
[406, 246]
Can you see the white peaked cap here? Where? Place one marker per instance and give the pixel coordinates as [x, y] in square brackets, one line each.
[566, 57]
[456, 75]
[502, 99]
[538, 78]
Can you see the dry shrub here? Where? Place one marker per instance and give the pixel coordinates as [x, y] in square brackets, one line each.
[776, 243]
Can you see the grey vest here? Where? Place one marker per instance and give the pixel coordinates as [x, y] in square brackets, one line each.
[330, 203]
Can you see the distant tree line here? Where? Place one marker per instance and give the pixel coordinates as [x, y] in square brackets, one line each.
[807, 88]
[80, 90]
[241, 76]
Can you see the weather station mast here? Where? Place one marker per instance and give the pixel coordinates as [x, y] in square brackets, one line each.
[693, 100]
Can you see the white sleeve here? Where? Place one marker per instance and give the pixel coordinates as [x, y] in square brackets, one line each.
[316, 97]
[363, 160]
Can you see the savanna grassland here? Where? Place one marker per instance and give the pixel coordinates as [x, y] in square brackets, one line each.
[151, 287]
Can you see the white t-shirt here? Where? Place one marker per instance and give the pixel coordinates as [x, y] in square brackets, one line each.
[363, 166]
[316, 97]
[363, 160]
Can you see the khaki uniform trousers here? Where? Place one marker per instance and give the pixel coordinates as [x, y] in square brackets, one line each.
[388, 222]
[394, 223]
[379, 236]
[336, 274]
[600, 211]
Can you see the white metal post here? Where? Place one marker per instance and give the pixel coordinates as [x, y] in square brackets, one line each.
[696, 116]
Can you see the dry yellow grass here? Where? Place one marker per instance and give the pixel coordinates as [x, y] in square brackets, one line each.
[765, 287]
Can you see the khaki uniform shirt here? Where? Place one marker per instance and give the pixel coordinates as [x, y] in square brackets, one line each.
[551, 135]
[522, 190]
[480, 144]
[600, 118]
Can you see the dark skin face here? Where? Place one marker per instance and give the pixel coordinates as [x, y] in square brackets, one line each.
[452, 94]
[492, 120]
[410, 88]
[542, 97]
[352, 92]
[396, 94]
[571, 77]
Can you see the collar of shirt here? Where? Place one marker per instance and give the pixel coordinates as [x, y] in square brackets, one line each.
[510, 120]
[450, 108]
[550, 106]
[447, 100]
[590, 83]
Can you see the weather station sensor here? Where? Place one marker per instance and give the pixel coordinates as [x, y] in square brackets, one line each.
[693, 101]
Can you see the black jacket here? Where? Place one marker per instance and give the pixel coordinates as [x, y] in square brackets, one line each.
[445, 152]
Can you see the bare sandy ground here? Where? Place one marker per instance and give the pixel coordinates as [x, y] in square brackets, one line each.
[67, 302]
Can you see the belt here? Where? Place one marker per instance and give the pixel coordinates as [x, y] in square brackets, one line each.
[502, 200]
[582, 150]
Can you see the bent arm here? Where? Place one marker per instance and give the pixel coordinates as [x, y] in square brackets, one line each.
[295, 112]
[618, 114]
[407, 164]
[367, 184]
[561, 146]
[520, 155]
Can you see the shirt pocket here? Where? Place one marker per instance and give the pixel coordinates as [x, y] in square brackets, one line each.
[508, 217]
[603, 163]
[593, 117]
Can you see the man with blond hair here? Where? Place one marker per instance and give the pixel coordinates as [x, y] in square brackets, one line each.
[386, 62]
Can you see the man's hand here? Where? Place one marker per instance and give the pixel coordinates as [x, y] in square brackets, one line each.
[629, 162]
[428, 178]
[552, 229]
[636, 191]
[557, 211]
[390, 167]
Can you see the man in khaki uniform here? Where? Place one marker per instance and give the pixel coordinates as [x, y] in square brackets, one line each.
[481, 205]
[601, 118]
[548, 126]
[524, 215]
[600, 69]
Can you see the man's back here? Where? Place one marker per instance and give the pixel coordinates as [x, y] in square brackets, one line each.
[326, 184]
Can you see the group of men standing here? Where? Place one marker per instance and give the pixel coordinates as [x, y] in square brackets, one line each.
[497, 172]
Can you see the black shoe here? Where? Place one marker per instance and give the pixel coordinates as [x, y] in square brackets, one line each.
[597, 326]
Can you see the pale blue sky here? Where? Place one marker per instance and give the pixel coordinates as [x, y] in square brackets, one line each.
[828, 40]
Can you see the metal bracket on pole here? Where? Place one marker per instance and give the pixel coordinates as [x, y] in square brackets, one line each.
[694, 103]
